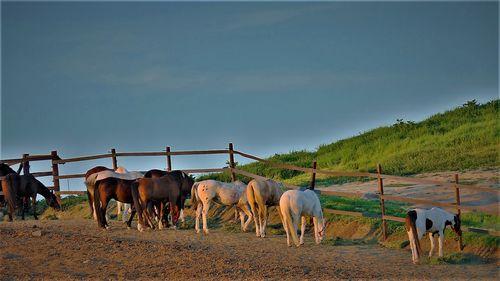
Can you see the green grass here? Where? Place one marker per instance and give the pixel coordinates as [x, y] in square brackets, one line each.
[464, 138]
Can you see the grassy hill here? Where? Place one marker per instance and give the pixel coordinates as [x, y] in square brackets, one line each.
[466, 137]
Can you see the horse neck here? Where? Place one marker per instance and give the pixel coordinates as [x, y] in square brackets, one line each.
[42, 189]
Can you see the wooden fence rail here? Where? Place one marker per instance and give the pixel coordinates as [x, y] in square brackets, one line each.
[230, 151]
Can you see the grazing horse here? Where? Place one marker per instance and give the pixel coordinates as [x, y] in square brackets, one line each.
[148, 190]
[229, 194]
[433, 221]
[26, 186]
[111, 185]
[262, 194]
[90, 187]
[186, 184]
[295, 204]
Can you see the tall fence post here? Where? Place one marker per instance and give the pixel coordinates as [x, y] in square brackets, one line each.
[231, 161]
[169, 159]
[313, 176]
[382, 205]
[113, 157]
[26, 164]
[457, 198]
[55, 175]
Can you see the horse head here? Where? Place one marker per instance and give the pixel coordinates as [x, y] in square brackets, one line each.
[455, 226]
[53, 203]
[321, 232]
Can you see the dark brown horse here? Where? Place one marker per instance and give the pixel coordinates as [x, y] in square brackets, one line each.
[90, 187]
[164, 189]
[23, 187]
[5, 170]
[111, 188]
[186, 184]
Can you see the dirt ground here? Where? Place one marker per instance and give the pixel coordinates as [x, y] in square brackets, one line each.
[77, 249]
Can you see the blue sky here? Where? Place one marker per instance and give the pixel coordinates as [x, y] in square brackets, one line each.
[82, 78]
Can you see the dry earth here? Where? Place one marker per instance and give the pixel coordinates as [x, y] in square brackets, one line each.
[77, 249]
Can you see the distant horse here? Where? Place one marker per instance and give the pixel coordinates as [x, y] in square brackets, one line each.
[90, 187]
[164, 189]
[229, 194]
[295, 204]
[433, 221]
[111, 185]
[26, 186]
[186, 184]
[262, 194]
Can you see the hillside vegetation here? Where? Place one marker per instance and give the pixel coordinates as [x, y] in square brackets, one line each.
[464, 138]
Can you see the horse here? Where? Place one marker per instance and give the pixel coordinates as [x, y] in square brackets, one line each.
[294, 204]
[186, 184]
[5, 170]
[164, 189]
[90, 187]
[229, 194]
[16, 186]
[432, 221]
[262, 194]
[111, 185]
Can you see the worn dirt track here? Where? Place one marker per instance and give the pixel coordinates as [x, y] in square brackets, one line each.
[77, 249]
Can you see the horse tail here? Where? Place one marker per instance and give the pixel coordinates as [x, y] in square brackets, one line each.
[410, 220]
[134, 190]
[97, 205]
[9, 191]
[90, 198]
[194, 196]
[251, 199]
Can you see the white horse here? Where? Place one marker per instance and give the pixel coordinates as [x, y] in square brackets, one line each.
[229, 194]
[433, 221]
[295, 204]
[262, 194]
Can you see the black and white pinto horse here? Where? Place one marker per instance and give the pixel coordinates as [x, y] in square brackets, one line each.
[432, 221]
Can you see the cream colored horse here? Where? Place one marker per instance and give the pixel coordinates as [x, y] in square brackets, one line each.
[262, 194]
[229, 194]
[295, 204]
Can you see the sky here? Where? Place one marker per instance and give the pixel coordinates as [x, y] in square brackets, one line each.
[84, 77]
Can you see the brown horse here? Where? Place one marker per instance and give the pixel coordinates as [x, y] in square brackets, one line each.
[164, 189]
[110, 185]
[23, 187]
[186, 184]
[90, 187]
[5, 170]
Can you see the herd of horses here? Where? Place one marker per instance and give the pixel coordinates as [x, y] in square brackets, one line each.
[158, 197]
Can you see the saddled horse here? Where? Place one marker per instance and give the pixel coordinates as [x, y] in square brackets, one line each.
[90, 187]
[24, 187]
[262, 194]
[432, 221]
[186, 184]
[205, 192]
[111, 185]
[295, 204]
[164, 189]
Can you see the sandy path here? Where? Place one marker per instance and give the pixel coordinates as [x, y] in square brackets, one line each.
[76, 249]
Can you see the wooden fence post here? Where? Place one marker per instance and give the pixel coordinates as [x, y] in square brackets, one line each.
[169, 159]
[313, 176]
[113, 157]
[231, 161]
[26, 164]
[55, 175]
[457, 198]
[382, 205]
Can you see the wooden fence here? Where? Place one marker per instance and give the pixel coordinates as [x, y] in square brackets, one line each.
[168, 153]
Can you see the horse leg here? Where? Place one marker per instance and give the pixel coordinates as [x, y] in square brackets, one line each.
[432, 244]
[242, 220]
[263, 221]
[302, 229]
[413, 247]
[33, 204]
[181, 216]
[206, 207]
[249, 220]
[285, 226]
[316, 230]
[23, 207]
[129, 222]
[256, 219]
[104, 207]
[295, 221]
[197, 220]
[126, 209]
[441, 243]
